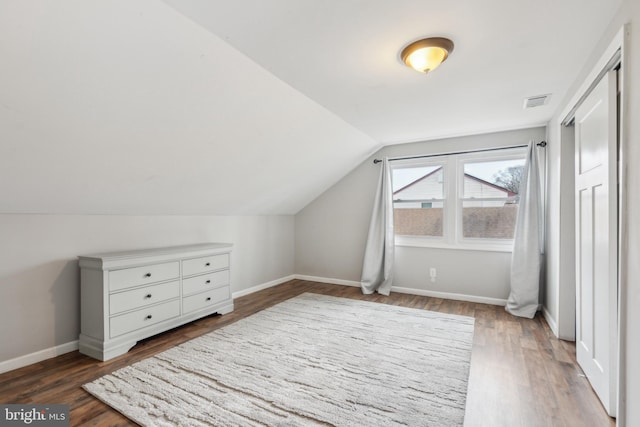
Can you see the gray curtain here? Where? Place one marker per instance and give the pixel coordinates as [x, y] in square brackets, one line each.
[377, 268]
[526, 261]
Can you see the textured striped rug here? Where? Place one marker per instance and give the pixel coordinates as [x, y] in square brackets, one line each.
[312, 360]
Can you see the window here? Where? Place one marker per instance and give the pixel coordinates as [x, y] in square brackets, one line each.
[418, 200]
[458, 201]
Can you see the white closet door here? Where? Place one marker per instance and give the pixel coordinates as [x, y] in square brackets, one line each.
[596, 239]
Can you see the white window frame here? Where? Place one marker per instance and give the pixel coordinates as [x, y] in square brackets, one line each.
[452, 206]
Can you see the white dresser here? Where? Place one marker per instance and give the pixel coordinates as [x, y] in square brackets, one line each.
[128, 296]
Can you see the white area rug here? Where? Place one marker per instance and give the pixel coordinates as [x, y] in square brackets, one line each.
[312, 360]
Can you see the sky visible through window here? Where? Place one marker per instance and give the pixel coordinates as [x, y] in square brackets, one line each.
[482, 170]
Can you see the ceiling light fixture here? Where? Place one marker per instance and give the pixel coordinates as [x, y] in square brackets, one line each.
[425, 55]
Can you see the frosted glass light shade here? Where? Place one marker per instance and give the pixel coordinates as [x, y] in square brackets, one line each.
[427, 54]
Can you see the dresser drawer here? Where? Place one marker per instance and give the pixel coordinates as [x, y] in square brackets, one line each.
[204, 264]
[204, 282]
[205, 299]
[144, 317]
[142, 297]
[137, 276]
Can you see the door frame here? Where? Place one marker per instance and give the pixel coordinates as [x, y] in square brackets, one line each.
[566, 320]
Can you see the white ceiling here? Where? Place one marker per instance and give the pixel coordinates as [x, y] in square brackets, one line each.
[252, 107]
[344, 54]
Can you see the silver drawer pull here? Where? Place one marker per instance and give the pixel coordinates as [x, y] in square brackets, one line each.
[148, 317]
[147, 296]
[147, 275]
[208, 299]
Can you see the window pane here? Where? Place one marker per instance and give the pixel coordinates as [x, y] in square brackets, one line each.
[489, 219]
[490, 193]
[492, 179]
[418, 194]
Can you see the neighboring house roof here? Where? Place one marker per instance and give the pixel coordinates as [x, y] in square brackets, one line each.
[475, 178]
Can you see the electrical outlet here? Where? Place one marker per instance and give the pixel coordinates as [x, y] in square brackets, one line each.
[432, 274]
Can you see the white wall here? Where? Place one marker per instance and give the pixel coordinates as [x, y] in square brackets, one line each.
[39, 276]
[467, 273]
[559, 240]
[331, 231]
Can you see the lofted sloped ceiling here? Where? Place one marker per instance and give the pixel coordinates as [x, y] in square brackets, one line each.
[128, 107]
[256, 106]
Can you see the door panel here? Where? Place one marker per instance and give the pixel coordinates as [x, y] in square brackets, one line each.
[596, 239]
[591, 152]
[585, 245]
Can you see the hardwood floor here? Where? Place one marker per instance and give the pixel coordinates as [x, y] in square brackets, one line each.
[521, 375]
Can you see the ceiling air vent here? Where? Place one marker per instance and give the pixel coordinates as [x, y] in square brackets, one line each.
[536, 101]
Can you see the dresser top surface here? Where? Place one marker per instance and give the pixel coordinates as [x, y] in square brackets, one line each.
[169, 250]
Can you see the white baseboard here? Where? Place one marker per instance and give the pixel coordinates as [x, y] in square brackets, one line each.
[448, 295]
[38, 356]
[550, 321]
[412, 291]
[262, 286]
[328, 280]
[276, 282]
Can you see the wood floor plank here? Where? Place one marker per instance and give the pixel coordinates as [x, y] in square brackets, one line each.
[521, 375]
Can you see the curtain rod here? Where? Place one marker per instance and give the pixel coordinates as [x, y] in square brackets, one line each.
[539, 144]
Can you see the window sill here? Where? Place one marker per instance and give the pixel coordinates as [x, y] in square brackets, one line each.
[420, 242]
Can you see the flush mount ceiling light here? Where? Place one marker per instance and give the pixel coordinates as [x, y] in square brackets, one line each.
[425, 55]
